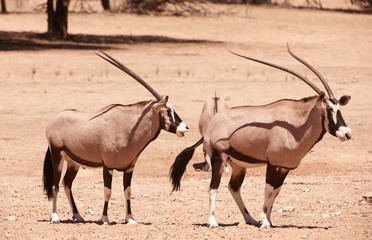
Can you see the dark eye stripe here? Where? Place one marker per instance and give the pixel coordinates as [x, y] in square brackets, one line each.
[340, 119]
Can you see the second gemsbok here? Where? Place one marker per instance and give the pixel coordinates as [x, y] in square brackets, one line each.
[277, 135]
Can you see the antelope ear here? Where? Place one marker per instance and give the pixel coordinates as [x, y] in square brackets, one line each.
[344, 100]
[161, 104]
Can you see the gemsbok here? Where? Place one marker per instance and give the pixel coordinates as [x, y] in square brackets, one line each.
[277, 135]
[112, 138]
[210, 108]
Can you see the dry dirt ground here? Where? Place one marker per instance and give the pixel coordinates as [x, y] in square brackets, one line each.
[328, 192]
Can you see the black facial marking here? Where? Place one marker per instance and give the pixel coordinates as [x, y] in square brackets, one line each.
[340, 119]
[174, 122]
[331, 123]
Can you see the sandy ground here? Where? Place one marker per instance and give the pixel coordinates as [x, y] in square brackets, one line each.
[326, 192]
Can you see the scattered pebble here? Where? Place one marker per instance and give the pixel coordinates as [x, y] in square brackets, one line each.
[367, 198]
[288, 209]
[308, 215]
[306, 190]
[10, 218]
[91, 212]
[336, 213]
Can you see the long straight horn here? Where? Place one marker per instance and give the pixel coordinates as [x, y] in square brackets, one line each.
[316, 72]
[316, 89]
[124, 68]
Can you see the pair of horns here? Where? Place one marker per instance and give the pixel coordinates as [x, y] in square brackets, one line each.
[124, 68]
[316, 72]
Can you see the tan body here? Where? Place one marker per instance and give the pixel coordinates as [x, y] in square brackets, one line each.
[280, 133]
[113, 138]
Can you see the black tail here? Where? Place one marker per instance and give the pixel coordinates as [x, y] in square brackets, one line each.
[179, 166]
[48, 175]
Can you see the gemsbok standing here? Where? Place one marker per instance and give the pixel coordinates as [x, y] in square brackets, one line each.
[277, 135]
[112, 138]
[210, 108]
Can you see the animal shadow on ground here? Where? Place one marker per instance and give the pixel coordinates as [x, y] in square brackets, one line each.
[283, 226]
[302, 227]
[71, 221]
[220, 224]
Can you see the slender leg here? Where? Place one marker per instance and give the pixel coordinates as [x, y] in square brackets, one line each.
[236, 180]
[107, 181]
[207, 165]
[217, 170]
[57, 170]
[69, 177]
[127, 179]
[275, 177]
[226, 159]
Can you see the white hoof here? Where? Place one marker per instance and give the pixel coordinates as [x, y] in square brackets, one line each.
[266, 225]
[131, 221]
[105, 220]
[54, 219]
[212, 223]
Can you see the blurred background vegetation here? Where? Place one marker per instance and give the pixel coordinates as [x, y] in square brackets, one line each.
[57, 10]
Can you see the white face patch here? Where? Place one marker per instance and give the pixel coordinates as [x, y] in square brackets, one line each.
[181, 129]
[343, 133]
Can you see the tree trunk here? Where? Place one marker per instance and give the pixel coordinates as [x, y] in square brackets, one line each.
[3, 6]
[57, 20]
[50, 12]
[106, 5]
